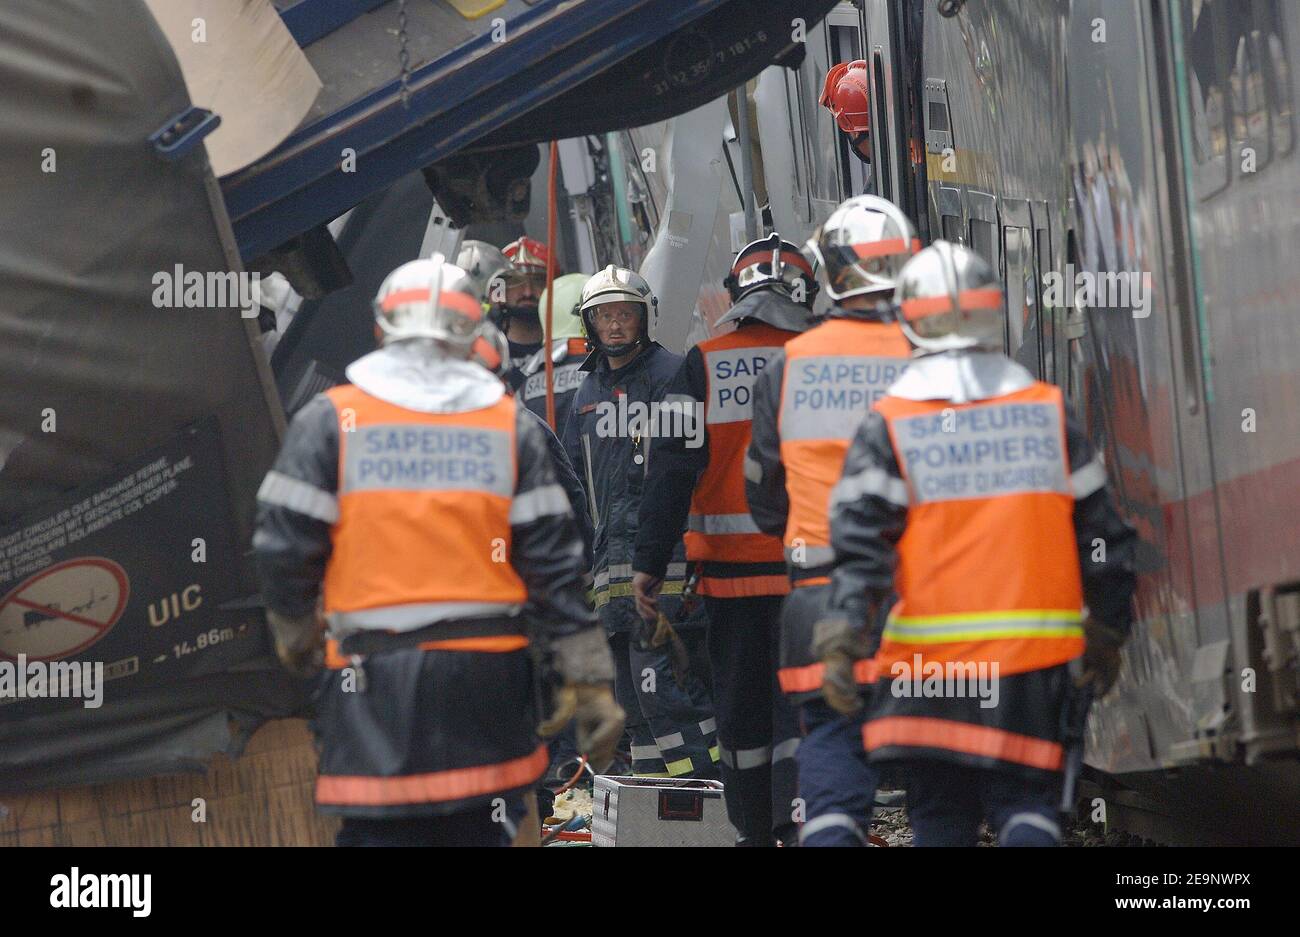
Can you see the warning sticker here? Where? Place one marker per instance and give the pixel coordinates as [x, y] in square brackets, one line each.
[63, 609]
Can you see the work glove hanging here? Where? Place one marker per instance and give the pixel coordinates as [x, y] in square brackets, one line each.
[1101, 658]
[583, 661]
[838, 645]
[299, 642]
[598, 720]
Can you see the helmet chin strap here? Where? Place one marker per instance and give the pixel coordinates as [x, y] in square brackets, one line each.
[856, 141]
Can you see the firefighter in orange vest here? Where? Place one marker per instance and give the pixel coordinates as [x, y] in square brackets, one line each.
[419, 505]
[971, 491]
[698, 483]
[807, 404]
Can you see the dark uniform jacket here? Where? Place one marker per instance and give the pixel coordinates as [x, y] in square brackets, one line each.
[422, 731]
[612, 453]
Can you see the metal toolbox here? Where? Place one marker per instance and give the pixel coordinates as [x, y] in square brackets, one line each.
[659, 812]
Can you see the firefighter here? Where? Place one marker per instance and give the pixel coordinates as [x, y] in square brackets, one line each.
[846, 93]
[661, 673]
[517, 312]
[807, 403]
[971, 492]
[419, 505]
[698, 482]
[486, 266]
[568, 347]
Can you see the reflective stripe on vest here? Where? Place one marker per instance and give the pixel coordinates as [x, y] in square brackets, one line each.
[433, 786]
[810, 677]
[988, 569]
[720, 527]
[963, 737]
[393, 566]
[833, 374]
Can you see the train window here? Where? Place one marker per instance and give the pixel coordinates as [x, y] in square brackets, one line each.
[1022, 298]
[1046, 314]
[884, 178]
[1249, 108]
[845, 43]
[982, 234]
[938, 122]
[1071, 360]
[950, 214]
[938, 117]
[983, 214]
[1277, 76]
[1205, 44]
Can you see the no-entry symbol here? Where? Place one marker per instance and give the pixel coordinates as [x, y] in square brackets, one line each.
[63, 609]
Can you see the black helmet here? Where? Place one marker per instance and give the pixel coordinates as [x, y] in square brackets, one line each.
[771, 263]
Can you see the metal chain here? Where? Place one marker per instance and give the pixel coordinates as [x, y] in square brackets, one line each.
[403, 56]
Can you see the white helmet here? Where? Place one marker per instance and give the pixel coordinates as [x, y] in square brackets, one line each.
[950, 299]
[862, 246]
[430, 299]
[483, 263]
[616, 285]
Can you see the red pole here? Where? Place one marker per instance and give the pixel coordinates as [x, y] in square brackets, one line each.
[548, 338]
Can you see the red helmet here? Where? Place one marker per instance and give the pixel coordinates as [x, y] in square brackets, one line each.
[527, 256]
[847, 95]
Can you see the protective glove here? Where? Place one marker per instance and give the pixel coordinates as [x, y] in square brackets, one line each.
[598, 720]
[299, 642]
[583, 662]
[657, 633]
[1101, 658]
[839, 646]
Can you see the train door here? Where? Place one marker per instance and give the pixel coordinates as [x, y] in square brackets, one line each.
[1042, 234]
[1020, 276]
[888, 166]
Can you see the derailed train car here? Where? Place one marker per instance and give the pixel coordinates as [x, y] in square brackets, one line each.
[1130, 167]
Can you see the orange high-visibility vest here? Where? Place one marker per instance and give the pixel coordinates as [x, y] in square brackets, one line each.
[423, 533]
[833, 375]
[720, 528]
[988, 569]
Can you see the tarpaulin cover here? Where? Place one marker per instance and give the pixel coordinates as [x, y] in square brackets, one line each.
[239, 61]
[134, 430]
